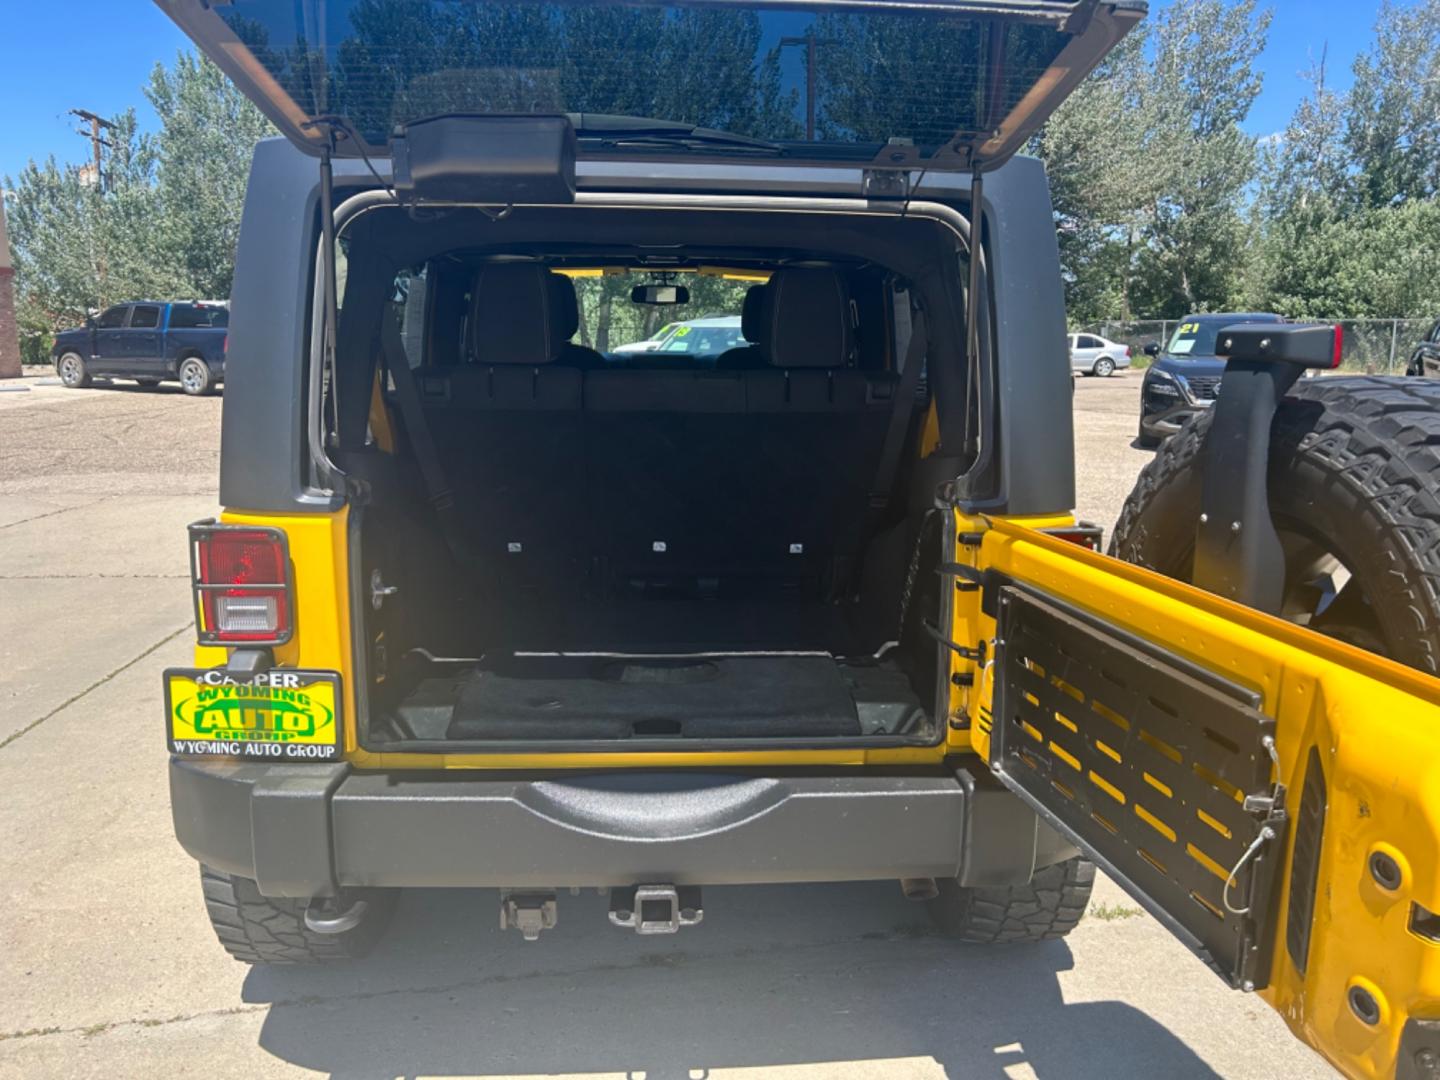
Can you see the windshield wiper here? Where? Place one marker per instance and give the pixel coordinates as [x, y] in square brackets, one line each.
[644, 131]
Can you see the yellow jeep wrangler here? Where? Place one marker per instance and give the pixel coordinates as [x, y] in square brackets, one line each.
[498, 601]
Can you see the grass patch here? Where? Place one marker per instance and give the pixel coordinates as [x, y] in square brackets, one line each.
[1114, 912]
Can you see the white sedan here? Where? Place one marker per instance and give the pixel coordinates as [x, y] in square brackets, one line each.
[1092, 355]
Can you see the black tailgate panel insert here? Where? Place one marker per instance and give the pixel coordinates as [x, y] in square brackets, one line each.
[1152, 765]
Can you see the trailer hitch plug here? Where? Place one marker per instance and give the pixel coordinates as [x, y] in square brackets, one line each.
[656, 909]
[528, 912]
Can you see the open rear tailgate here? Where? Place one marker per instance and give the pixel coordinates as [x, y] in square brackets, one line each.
[1139, 715]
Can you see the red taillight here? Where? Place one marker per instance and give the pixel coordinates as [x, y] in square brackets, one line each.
[225, 344]
[1339, 346]
[241, 577]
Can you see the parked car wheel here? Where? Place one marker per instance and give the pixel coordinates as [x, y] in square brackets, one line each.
[1354, 479]
[1049, 907]
[1104, 367]
[72, 370]
[195, 377]
[257, 929]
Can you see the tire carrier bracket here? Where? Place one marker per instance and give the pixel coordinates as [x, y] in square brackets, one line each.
[1237, 550]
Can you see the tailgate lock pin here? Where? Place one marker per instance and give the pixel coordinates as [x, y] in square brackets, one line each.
[379, 590]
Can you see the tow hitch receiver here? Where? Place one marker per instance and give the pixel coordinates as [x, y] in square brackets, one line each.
[656, 909]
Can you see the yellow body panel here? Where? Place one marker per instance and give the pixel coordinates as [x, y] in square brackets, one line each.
[1376, 725]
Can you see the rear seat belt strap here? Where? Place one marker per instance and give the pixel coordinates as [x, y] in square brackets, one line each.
[437, 487]
[902, 408]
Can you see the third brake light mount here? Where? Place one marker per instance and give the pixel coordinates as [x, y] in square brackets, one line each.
[490, 160]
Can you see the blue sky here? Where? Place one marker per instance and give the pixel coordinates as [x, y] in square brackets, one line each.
[96, 54]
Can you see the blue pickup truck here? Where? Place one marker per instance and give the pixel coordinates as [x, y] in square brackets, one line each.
[150, 341]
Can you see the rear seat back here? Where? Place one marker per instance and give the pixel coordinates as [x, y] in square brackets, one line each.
[517, 476]
[697, 477]
[741, 473]
[815, 421]
[667, 469]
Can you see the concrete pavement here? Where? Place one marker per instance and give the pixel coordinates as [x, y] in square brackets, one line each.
[109, 968]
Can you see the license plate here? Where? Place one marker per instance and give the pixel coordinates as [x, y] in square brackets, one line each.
[281, 715]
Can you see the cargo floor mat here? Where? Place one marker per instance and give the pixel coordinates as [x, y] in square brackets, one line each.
[698, 697]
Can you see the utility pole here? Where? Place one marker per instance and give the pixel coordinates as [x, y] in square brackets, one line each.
[9, 332]
[97, 125]
[809, 41]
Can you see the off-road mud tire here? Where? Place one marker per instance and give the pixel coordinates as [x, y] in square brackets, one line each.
[257, 929]
[1354, 460]
[1049, 907]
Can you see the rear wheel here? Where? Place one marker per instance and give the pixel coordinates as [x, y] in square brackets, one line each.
[72, 370]
[257, 929]
[1104, 367]
[195, 377]
[1354, 491]
[1049, 907]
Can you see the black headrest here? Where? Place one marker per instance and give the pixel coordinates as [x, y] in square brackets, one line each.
[808, 319]
[564, 308]
[510, 315]
[752, 314]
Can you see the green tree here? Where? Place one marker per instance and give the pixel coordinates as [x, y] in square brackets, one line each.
[1149, 167]
[202, 162]
[80, 243]
[1202, 85]
[1393, 127]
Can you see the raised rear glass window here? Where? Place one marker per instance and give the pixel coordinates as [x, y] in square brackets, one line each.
[838, 77]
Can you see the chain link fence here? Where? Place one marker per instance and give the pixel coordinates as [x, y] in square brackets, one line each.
[1372, 346]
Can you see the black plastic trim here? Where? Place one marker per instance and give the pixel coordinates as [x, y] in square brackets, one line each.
[585, 828]
[1305, 861]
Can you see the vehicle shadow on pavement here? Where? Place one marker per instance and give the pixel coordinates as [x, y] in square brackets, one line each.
[847, 979]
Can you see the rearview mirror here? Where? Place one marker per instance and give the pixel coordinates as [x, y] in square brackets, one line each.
[1152, 349]
[659, 294]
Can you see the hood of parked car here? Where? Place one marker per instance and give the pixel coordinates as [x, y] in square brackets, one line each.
[1189, 365]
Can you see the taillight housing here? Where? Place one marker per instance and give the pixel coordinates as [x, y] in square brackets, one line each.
[240, 575]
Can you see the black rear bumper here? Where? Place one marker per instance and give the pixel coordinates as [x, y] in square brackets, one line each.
[304, 830]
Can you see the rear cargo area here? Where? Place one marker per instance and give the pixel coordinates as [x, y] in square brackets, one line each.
[646, 549]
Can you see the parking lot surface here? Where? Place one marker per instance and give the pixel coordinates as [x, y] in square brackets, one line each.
[108, 967]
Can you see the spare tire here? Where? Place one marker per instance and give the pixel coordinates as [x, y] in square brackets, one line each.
[1354, 490]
